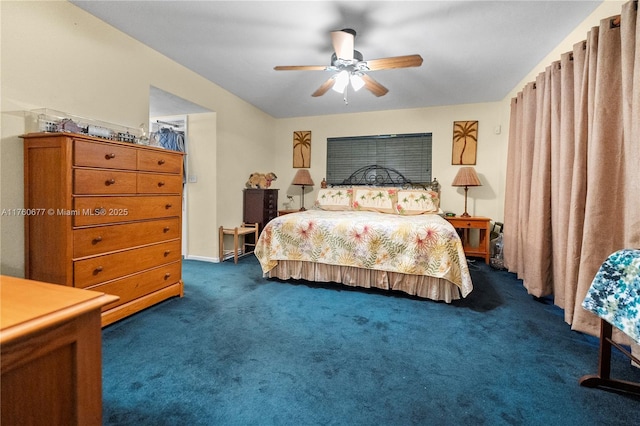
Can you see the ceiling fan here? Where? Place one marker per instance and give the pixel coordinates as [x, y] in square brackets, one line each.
[350, 66]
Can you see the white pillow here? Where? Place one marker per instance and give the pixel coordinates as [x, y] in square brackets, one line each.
[416, 201]
[334, 199]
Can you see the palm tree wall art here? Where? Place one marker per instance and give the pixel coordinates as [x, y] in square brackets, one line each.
[465, 140]
[302, 149]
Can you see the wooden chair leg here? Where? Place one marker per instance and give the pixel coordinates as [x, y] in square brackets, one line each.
[255, 238]
[235, 245]
[603, 378]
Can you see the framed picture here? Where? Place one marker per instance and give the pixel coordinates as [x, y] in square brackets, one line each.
[302, 149]
[465, 141]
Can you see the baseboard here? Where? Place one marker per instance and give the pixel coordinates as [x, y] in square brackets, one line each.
[216, 259]
[203, 258]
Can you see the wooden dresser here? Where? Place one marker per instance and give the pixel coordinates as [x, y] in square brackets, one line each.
[260, 206]
[105, 216]
[51, 354]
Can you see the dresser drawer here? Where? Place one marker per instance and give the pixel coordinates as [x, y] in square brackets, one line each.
[138, 285]
[98, 269]
[104, 155]
[271, 213]
[158, 161]
[90, 181]
[103, 239]
[101, 210]
[154, 183]
[469, 223]
[270, 201]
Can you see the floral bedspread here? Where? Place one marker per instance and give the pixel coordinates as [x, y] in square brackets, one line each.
[419, 245]
[614, 294]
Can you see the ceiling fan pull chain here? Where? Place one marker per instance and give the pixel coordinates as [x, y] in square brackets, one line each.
[346, 90]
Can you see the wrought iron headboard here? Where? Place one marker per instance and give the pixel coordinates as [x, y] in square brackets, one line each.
[385, 176]
[376, 175]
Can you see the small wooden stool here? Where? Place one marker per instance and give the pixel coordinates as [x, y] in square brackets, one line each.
[244, 229]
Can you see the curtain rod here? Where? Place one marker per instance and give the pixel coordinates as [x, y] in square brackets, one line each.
[167, 123]
[615, 22]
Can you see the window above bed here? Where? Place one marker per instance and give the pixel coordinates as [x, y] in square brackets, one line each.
[408, 154]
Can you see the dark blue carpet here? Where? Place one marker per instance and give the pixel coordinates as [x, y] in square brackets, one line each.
[242, 350]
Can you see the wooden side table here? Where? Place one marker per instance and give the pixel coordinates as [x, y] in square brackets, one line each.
[51, 348]
[483, 225]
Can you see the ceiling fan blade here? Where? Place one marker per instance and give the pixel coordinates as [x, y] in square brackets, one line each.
[394, 62]
[343, 44]
[300, 68]
[373, 86]
[324, 88]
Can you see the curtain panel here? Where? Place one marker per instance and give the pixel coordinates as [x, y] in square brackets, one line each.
[573, 167]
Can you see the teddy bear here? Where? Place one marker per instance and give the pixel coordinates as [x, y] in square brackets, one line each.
[261, 180]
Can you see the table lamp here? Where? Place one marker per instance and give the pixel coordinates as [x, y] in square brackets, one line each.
[302, 178]
[466, 177]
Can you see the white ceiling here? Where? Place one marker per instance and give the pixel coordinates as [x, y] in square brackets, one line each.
[473, 51]
[162, 104]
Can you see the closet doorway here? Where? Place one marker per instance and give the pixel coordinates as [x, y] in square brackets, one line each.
[169, 127]
[170, 132]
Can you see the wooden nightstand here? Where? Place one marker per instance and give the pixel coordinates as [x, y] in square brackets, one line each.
[483, 225]
[283, 212]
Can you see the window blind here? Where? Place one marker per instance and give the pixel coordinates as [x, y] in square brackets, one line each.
[409, 154]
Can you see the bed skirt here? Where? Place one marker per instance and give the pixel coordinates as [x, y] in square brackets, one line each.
[423, 286]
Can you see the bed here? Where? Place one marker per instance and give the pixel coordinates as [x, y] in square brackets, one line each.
[386, 237]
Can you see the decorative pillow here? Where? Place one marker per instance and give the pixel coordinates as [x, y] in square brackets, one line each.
[381, 200]
[334, 199]
[414, 201]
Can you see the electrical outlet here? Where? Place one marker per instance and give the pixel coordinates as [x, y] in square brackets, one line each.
[193, 178]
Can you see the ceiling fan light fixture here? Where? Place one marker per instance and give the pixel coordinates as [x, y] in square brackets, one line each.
[356, 81]
[350, 67]
[341, 81]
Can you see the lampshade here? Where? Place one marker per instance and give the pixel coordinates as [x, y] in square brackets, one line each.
[303, 178]
[466, 177]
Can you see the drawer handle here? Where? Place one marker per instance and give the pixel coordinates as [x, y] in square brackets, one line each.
[97, 270]
[160, 183]
[167, 275]
[110, 182]
[166, 229]
[110, 156]
[167, 206]
[97, 239]
[468, 223]
[166, 253]
[160, 162]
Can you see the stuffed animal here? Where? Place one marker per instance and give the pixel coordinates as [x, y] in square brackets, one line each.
[261, 180]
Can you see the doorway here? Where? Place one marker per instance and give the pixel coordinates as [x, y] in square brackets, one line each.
[171, 113]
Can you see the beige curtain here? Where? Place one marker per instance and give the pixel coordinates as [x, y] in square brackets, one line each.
[573, 171]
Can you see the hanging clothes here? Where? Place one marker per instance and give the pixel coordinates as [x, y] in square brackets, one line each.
[171, 139]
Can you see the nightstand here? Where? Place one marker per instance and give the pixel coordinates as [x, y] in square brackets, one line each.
[465, 224]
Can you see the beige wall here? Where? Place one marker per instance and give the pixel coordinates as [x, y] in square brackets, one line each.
[491, 157]
[202, 195]
[54, 55]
